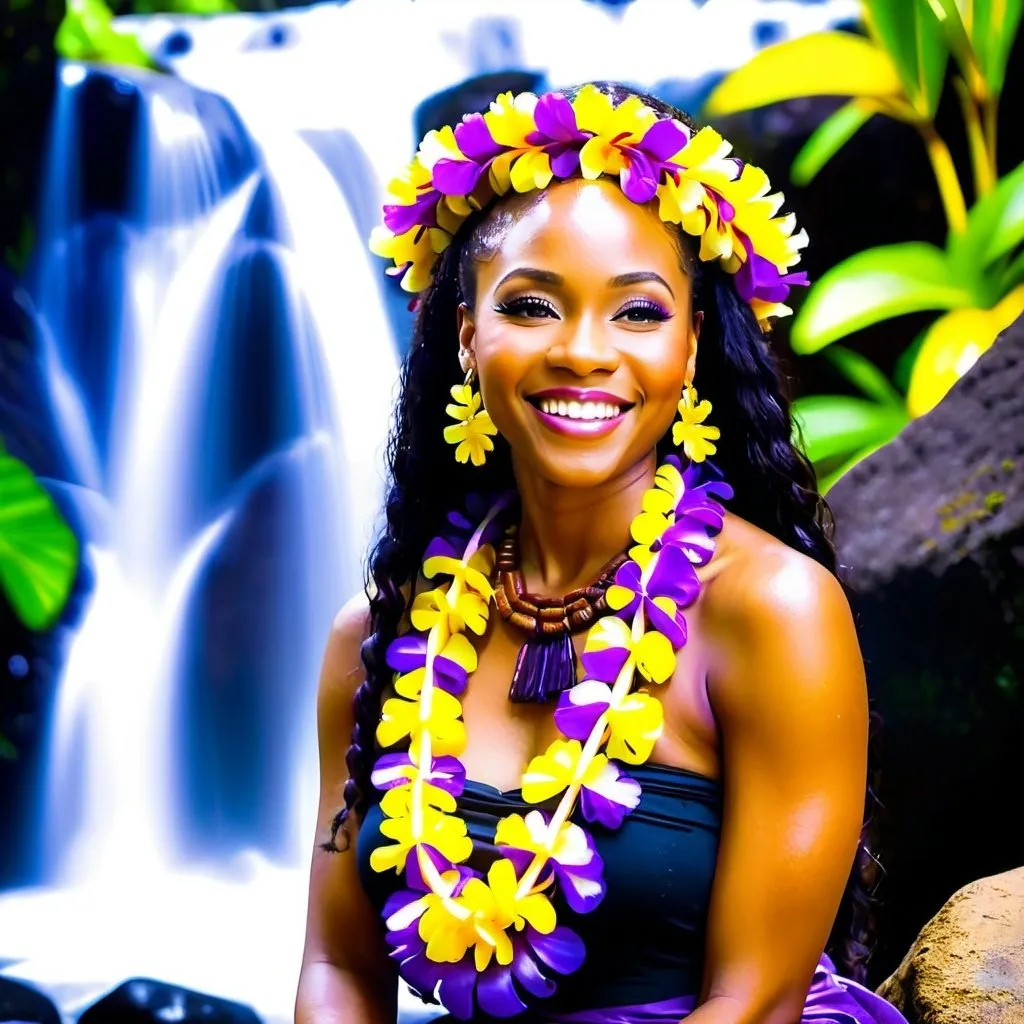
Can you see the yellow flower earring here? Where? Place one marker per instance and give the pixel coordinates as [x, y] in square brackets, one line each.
[473, 429]
[690, 430]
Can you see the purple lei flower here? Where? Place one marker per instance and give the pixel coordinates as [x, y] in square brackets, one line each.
[446, 772]
[698, 515]
[409, 652]
[461, 524]
[674, 577]
[580, 880]
[459, 987]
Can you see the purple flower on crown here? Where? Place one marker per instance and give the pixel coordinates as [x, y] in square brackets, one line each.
[650, 158]
[758, 278]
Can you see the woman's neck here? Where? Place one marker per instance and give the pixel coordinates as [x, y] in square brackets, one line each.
[567, 534]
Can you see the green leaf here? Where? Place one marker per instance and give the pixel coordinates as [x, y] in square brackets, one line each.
[828, 481]
[905, 361]
[87, 33]
[7, 751]
[835, 426]
[947, 13]
[874, 285]
[38, 551]
[914, 39]
[1013, 276]
[829, 137]
[995, 226]
[820, 64]
[993, 29]
[865, 375]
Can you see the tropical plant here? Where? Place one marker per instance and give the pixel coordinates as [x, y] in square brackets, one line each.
[38, 550]
[899, 69]
[38, 553]
[89, 33]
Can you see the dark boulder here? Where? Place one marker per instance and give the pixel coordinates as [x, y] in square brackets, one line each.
[22, 1003]
[930, 534]
[144, 1001]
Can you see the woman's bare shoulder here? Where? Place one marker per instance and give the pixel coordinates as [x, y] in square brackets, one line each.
[751, 565]
[342, 669]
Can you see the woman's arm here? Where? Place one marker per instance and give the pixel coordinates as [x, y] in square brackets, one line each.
[788, 690]
[346, 976]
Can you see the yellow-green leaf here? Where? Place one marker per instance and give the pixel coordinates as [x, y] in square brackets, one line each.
[952, 345]
[87, 33]
[829, 137]
[820, 64]
[874, 285]
[835, 426]
[38, 551]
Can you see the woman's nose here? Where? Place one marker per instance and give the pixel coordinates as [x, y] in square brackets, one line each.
[582, 349]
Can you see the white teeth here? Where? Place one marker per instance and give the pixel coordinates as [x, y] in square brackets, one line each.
[580, 410]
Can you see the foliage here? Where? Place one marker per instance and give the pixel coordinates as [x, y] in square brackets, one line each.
[898, 68]
[38, 551]
[88, 32]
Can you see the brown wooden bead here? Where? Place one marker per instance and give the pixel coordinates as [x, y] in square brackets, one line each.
[501, 602]
[552, 614]
[578, 605]
[579, 619]
[552, 628]
[524, 622]
[600, 605]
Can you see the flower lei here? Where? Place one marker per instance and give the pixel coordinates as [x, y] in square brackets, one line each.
[489, 941]
[523, 142]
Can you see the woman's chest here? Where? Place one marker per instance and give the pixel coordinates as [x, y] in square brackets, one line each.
[503, 737]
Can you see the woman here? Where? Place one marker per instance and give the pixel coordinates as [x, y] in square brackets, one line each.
[667, 828]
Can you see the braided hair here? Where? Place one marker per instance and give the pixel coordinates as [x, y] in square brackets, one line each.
[775, 487]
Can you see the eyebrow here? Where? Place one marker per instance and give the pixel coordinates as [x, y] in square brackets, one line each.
[620, 281]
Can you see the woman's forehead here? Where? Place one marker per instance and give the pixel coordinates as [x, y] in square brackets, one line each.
[587, 225]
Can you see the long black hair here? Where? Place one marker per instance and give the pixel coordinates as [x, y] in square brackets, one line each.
[775, 486]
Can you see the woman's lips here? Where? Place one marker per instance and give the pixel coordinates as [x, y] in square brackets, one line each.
[579, 428]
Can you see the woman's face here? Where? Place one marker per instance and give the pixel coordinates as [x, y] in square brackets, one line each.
[582, 334]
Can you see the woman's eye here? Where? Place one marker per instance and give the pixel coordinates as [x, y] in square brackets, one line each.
[643, 311]
[529, 306]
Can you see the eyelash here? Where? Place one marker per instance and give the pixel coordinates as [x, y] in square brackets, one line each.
[526, 305]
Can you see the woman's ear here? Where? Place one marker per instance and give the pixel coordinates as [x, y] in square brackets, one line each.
[467, 337]
[691, 344]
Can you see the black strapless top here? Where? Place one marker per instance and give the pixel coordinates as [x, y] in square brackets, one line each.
[645, 942]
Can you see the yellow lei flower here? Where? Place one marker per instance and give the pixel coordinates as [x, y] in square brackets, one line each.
[474, 430]
[690, 431]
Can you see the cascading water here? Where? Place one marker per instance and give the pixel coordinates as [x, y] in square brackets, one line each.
[218, 350]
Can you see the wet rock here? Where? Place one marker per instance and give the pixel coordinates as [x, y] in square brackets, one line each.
[930, 534]
[144, 1001]
[23, 1003]
[967, 965]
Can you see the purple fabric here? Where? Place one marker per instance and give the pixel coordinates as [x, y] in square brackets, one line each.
[831, 999]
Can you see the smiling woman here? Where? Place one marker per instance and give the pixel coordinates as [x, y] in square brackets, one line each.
[647, 802]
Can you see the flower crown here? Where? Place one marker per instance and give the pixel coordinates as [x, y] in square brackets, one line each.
[524, 142]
